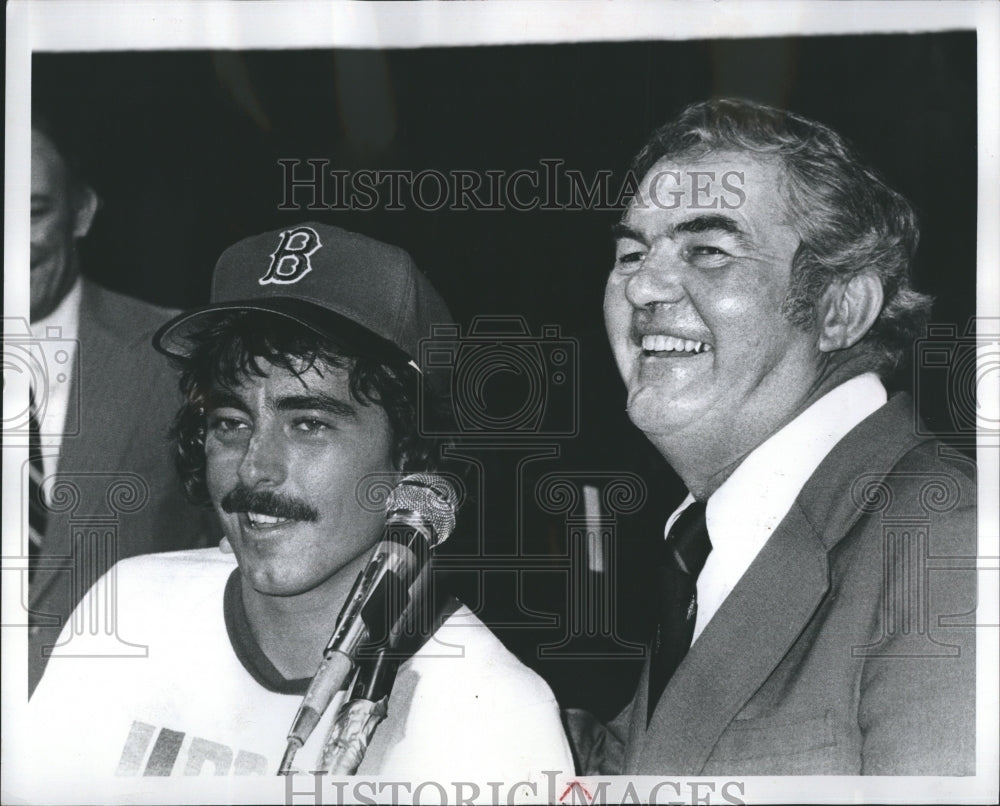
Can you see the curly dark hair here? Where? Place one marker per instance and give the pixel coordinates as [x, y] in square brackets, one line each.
[848, 219]
[232, 346]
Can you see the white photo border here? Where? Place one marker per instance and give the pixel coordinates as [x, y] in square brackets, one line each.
[90, 25]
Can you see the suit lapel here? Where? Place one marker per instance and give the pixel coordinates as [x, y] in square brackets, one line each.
[103, 359]
[769, 607]
[740, 647]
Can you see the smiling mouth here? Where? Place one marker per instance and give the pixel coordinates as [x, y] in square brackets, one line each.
[662, 345]
[259, 521]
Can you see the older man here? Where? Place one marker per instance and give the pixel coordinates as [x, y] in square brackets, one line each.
[760, 295]
[302, 389]
[102, 423]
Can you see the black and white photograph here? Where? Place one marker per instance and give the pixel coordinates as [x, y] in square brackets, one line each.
[501, 402]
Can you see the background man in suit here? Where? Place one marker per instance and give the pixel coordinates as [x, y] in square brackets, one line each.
[100, 429]
[760, 296]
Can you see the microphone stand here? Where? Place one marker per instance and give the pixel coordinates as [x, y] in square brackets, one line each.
[356, 720]
[374, 662]
[420, 515]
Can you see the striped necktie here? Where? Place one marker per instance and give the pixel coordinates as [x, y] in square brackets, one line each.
[37, 508]
[682, 556]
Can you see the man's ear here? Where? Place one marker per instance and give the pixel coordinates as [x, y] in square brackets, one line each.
[847, 310]
[86, 202]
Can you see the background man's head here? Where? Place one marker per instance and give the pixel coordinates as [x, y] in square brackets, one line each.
[758, 260]
[301, 391]
[63, 206]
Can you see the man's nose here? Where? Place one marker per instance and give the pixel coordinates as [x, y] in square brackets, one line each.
[659, 279]
[265, 463]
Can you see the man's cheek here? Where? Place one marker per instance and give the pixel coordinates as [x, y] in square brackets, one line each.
[213, 483]
[216, 462]
[617, 321]
[218, 483]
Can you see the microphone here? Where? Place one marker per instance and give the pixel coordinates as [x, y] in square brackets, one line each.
[420, 515]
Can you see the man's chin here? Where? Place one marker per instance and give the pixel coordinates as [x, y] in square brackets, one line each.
[270, 583]
[656, 414]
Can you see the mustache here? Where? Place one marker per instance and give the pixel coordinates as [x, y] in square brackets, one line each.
[267, 502]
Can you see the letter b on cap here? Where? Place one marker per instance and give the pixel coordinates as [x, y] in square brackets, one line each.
[290, 261]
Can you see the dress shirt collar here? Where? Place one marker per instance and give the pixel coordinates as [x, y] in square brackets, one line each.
[743, 513]
[65, 316]
[57, 334]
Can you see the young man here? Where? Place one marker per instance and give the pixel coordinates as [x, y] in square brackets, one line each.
[301, 382]
[760, 295]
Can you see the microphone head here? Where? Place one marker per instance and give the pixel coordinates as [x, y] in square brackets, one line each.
[431, 498]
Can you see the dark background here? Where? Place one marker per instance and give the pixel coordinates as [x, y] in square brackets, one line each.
[183, 148]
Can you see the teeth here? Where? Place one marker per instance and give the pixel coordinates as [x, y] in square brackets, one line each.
[658, 344]
[257, 519]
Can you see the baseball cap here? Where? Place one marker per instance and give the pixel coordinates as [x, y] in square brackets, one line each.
[323, 277]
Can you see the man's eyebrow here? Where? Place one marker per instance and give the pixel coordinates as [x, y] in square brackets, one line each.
[318, 401]
[708, 223]
[223, 399]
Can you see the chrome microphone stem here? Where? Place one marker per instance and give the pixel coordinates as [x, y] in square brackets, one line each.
[350, 631]
[420, 513]
[330, 677]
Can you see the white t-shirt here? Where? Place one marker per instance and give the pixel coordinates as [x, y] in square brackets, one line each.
[463, 707]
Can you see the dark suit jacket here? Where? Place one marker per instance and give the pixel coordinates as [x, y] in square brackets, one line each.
[117, 493]
[847, 648]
